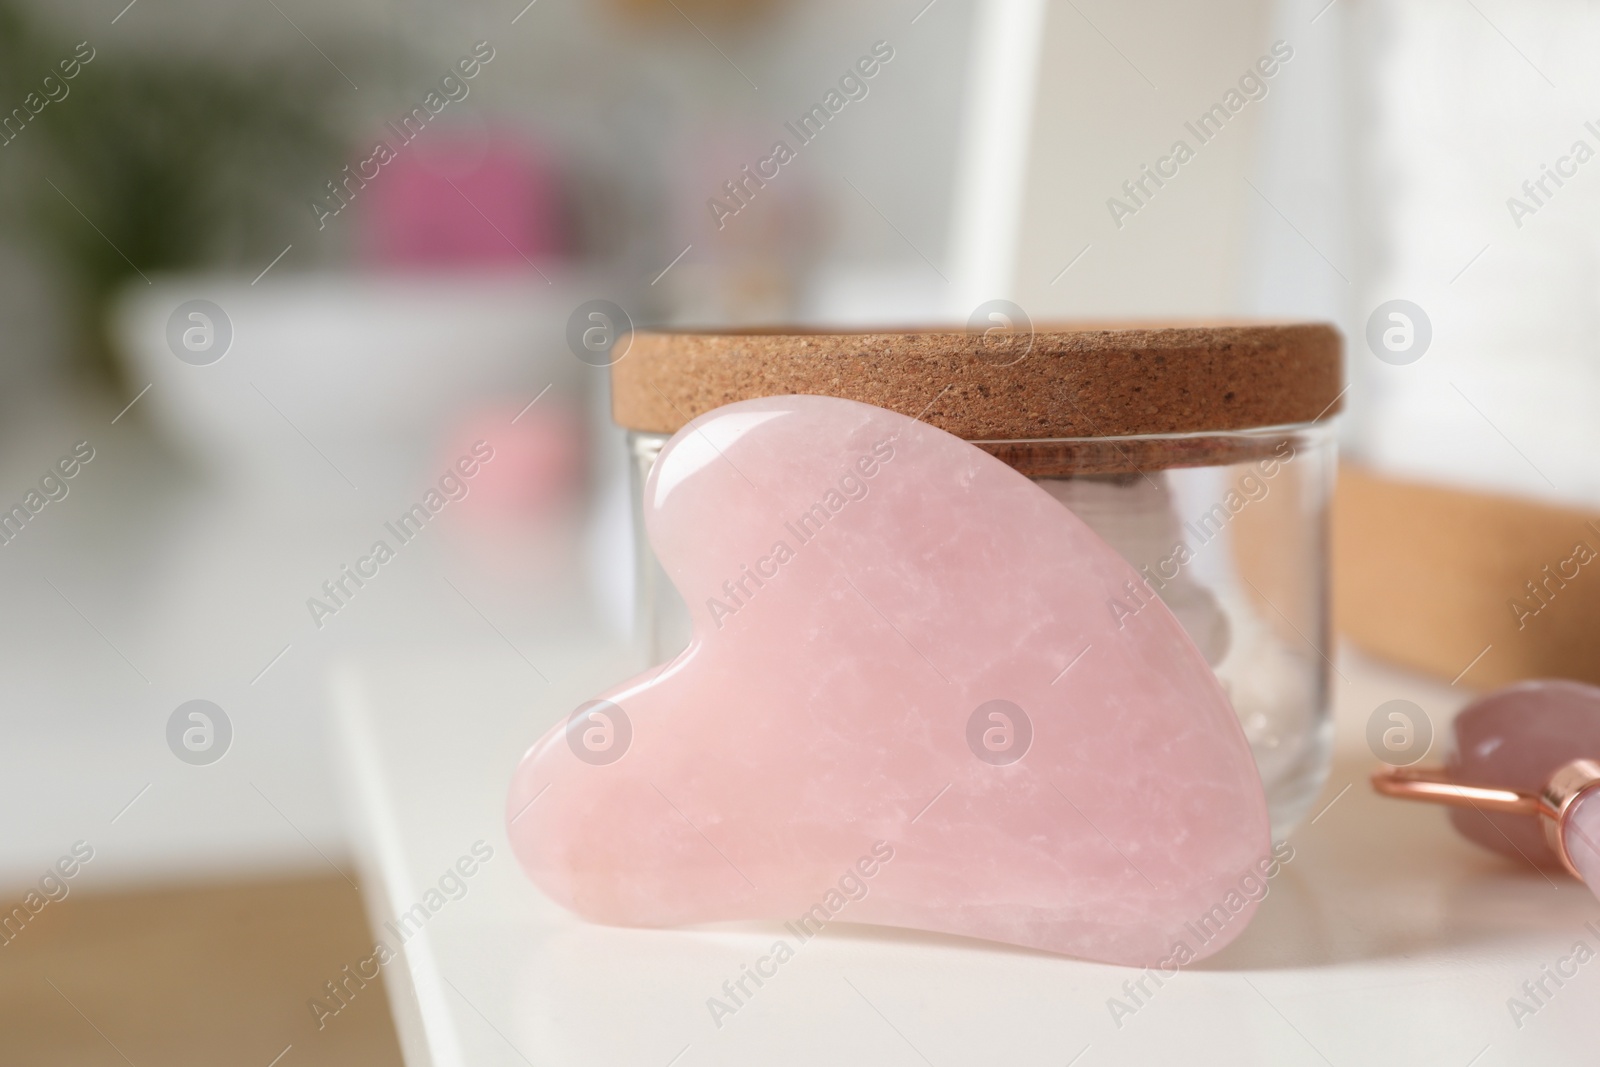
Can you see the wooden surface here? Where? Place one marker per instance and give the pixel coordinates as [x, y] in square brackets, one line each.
[1428, 577]
[212, 975]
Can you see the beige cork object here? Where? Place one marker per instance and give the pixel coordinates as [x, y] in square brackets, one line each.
[1062, 381]
[1477, 588]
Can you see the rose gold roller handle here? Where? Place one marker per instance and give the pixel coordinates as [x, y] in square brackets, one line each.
[1434, 785]
[1551, 804]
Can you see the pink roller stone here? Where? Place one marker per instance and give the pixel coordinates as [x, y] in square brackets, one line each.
[1515, 738]
[907, 703]
[1580, 833]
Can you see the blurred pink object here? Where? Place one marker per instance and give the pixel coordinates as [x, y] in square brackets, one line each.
[537, 458]
[427, 208]
[905, 703]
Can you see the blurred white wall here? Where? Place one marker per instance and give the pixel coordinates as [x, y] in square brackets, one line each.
[1253, 223]
[1469, 111]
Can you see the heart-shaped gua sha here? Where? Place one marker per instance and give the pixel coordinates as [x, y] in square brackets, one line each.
[906, 702]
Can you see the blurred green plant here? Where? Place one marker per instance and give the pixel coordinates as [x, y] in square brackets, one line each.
[155, 162]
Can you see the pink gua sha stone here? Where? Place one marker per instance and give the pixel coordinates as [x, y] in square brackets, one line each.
[1515, 738]
[861, 583]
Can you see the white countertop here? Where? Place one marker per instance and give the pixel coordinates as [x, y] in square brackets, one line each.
[1385, 940]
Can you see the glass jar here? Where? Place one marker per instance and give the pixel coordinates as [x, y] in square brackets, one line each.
[1228, 528]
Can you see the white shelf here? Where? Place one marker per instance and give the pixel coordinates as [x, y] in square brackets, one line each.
[1385, 939]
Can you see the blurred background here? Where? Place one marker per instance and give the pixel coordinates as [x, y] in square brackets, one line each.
[268, 270]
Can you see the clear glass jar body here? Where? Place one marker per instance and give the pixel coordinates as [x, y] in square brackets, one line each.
[1228, 530]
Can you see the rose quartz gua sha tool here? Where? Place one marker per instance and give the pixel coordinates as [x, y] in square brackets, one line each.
[906, 703]
[1524, 776]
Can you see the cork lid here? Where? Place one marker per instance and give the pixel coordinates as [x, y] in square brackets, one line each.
[1058, 381]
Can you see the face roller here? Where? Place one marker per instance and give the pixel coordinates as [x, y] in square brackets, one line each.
[1524, 775]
